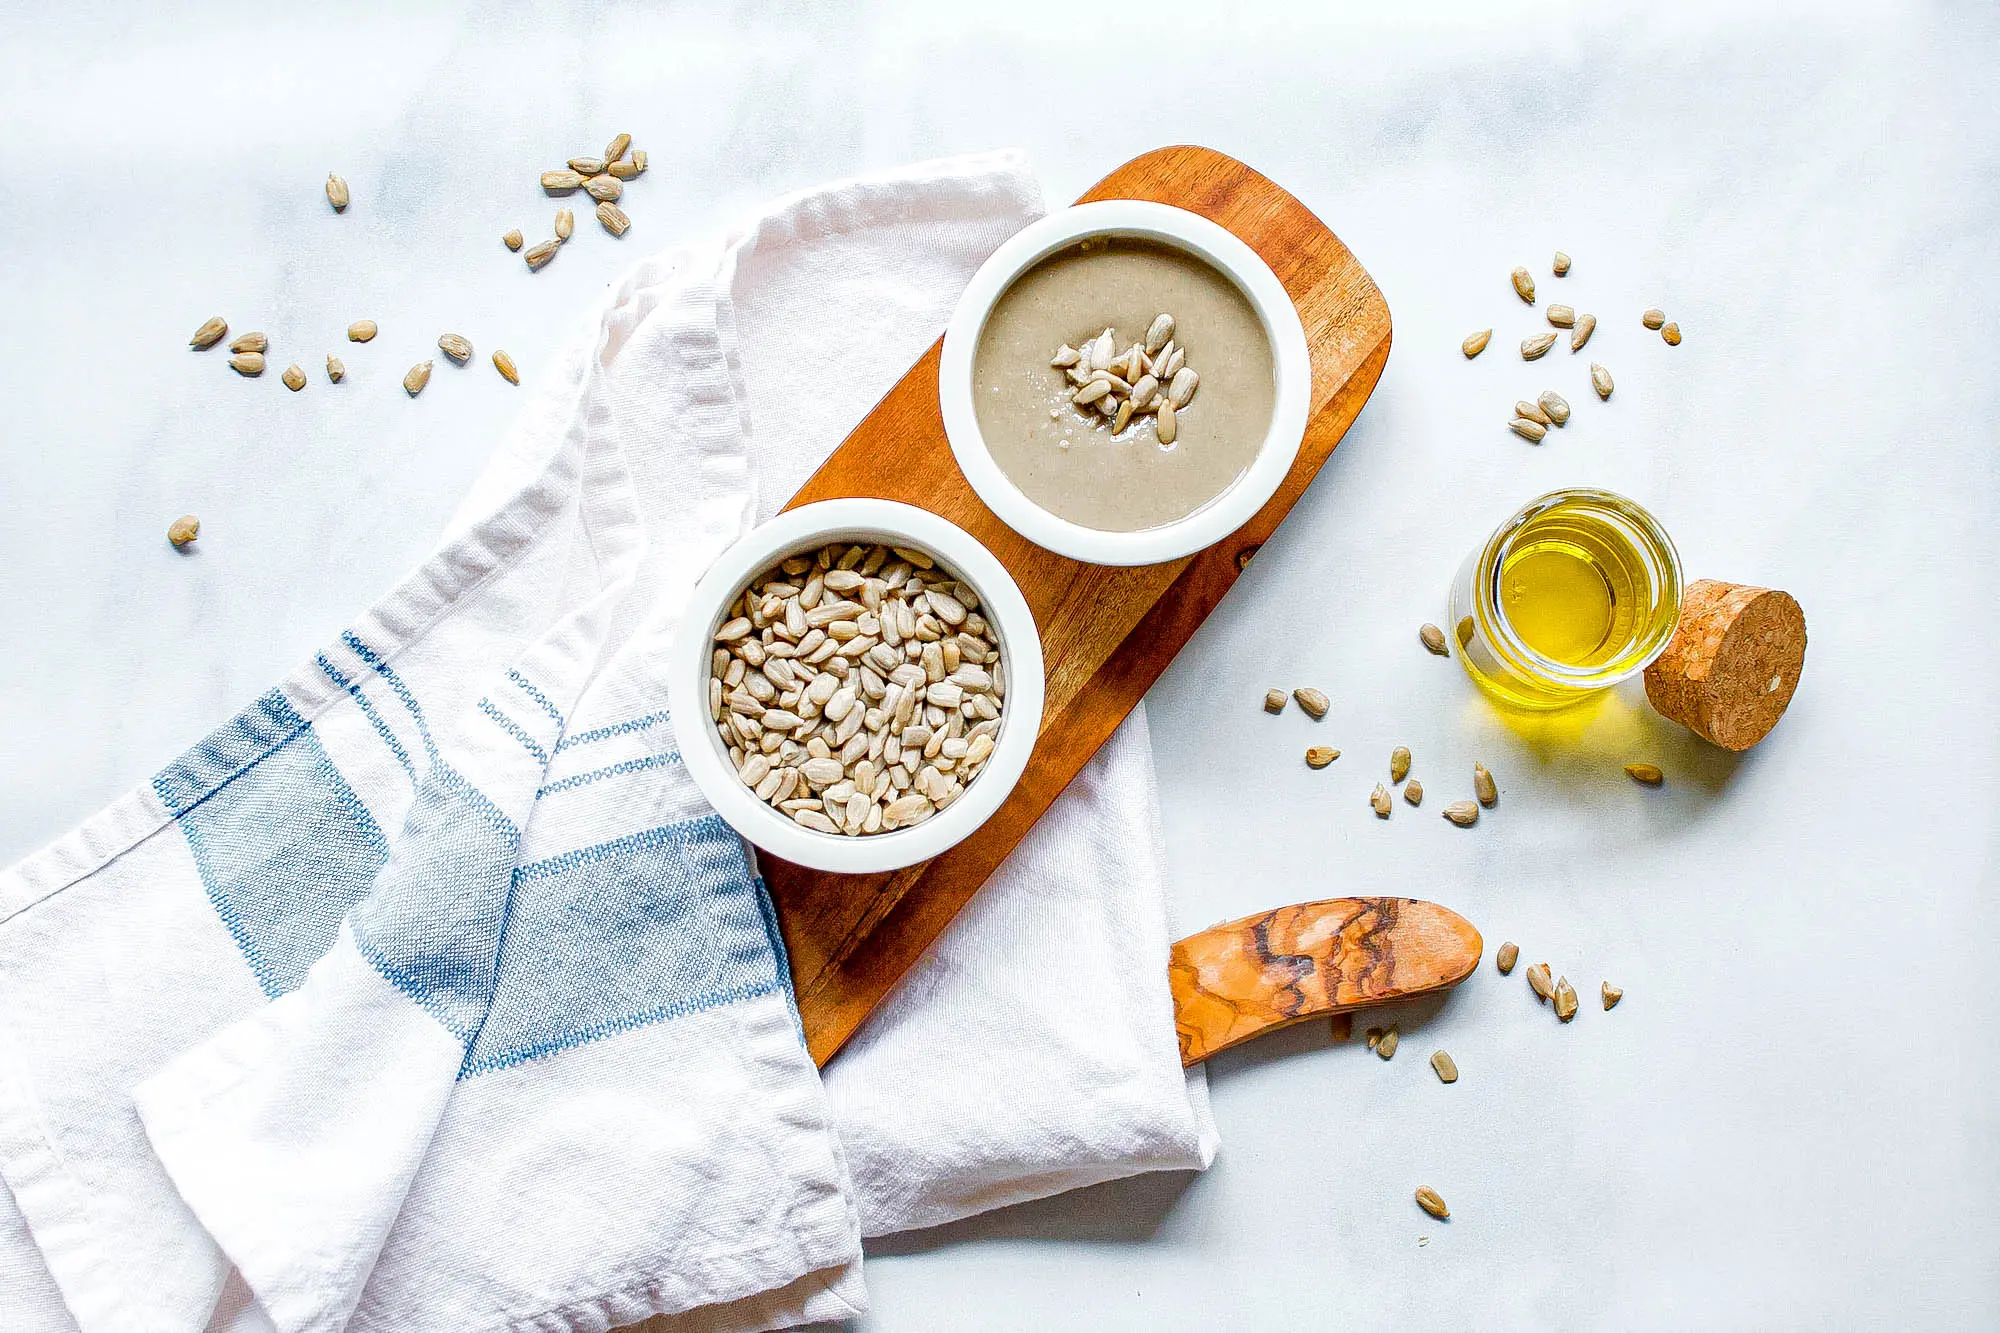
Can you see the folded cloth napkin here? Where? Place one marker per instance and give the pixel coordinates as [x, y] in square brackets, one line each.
[426, 992]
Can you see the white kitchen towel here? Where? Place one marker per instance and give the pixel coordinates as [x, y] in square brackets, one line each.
[426, 993]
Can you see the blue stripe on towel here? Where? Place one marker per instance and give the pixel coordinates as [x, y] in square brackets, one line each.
[514, 729]
[666, 760]
[625, 728]
[535, 694]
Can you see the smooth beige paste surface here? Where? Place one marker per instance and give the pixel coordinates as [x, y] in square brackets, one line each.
[1071, 464]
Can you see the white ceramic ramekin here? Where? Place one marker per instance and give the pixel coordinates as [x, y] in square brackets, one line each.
[1128, 219]
[807, 529]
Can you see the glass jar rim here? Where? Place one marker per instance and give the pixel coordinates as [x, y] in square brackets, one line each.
[1514, 650]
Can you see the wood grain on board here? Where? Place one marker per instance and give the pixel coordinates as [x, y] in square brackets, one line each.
[1107, 633]
[1235, 981]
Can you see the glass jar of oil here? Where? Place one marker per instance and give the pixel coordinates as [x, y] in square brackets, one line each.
[1576, 592]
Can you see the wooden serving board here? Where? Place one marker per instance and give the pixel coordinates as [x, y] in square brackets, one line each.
[1107, 633]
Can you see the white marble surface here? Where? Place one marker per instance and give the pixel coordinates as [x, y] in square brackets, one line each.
[1790, 1122]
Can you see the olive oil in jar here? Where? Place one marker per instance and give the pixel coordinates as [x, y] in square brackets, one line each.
[1576, 592]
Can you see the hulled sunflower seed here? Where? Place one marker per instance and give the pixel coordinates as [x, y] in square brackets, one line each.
[1433, 639]
[1532, 412]
[616, 148]
[512, 240]
[1611, 994]
[561, 182]
[1555, 406]
[639, 160]
[1413, 792]
[1524, 285]
[1672, 333]
[1600, 380]
[1399, 763]
[1379, 801]
[1562, 316]
[565, 224]
[1274, 701]
[1447, 1068]
[1124, 417]
[335, 371]
[1167, 422]
[1541, 982]
[1182, 388]
[1535, 348]
[1561, 265]
[455, 347]
[251, 342]
[1653, 318]
[1578, 336]
[605, 189]
[1505, 959]
[1312, 701]
[1385, 1045]
[613, 217]
[587, 167]
[1475, 343]
[505, 365]
[1319, 756]
[1374, 1037]
[1565, 999]
[1091, 392]
[1432, 1202]
[247, 363]
[361, 330]
[294, 378]
[1462, 813]
[1158, 333]
[1483, 786]
[624, 170]
[183, 530]
[210, 333]
[541, 252]
[1065, 357]
[1531, 431]
[1646, 774]
[336, 192]
[416, 378]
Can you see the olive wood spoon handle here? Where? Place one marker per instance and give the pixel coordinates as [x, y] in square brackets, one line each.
[1243, 978]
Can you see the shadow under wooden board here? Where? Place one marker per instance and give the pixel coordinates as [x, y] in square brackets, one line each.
[1107, 633]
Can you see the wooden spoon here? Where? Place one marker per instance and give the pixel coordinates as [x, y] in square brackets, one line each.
[1243, 978]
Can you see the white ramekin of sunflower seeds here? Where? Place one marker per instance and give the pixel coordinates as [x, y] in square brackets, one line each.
[857, 685]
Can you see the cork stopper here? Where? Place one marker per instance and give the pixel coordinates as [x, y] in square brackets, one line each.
[1733, 662]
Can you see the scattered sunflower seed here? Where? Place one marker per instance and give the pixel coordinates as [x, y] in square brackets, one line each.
[505, 365]
[1166, 421]
[1433, 639]
[613, 217]
[587, 167]
[1645, 774]
[1565, 999]
[1374, 1037]
[1483, 787]
[1561, 266]
[335, 371]
[1320, 756]
[512, 240]
[1379, 799]
[561, 182]
[1531, 431]
[1535, 348]
[336, 192]
[616, 148]
[1447, 1068]
[604, 189]
[455, 347]
[1672, 333]
[1475, 343]
[294, 378]
[1158, 332]
[1462, 813]
[1312, 701]
[1505, 959]
[183, 530]
[1541, 982]
[623, 170]
[1274, 701]
[361, 330]
[1562, 316]
[1532, 412]
[1432, 1202]
[1555, 406]
[1612, 995]
[209, 334]
[1578, 336]
[1386, 1045]
[1600, 380]
[1413, 792]
[1399, 763]
[565, 224]
[639, 160]
[251, 342]
[1653, 318]
[1524, 285]
[541, 252]
[419, 375]
[247, 363]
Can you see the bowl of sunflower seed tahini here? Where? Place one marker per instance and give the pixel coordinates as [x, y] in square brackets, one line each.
[857, 685]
